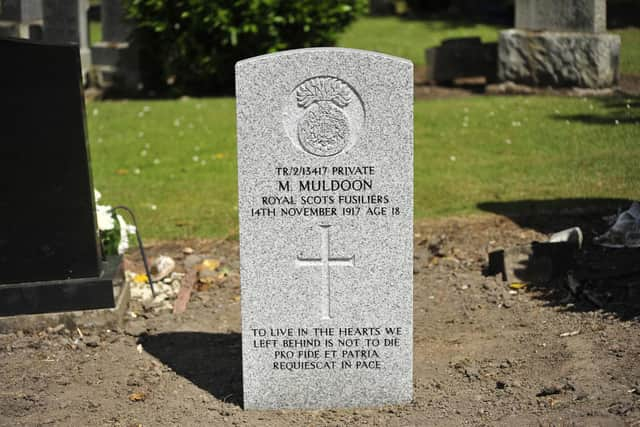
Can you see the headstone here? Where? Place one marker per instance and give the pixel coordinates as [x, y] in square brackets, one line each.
[50, 259]
[65, 21]
[325, 172]
[588, 16]
[381, 7]
[18, 16]
[559, 43]
[116, 58]
[462, 57]
[115, 26]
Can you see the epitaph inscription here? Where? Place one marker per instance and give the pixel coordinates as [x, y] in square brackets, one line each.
[325, 174]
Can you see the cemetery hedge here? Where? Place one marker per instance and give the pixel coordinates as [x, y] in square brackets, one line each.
[192, 45]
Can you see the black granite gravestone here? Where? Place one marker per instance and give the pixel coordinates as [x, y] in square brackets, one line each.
[50, 258]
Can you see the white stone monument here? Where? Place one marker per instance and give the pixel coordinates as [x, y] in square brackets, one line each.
[560, 43]
[325, 173]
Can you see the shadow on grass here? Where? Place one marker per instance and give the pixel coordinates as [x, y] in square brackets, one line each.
[549, 216]
[479, 13]
[602, 278]
[620, 111]
[212, 362]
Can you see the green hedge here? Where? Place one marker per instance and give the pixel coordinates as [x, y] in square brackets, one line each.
[194, 44]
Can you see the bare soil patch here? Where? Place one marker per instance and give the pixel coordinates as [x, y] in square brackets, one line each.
[484, 354]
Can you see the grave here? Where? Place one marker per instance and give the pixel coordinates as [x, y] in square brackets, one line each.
[325, 174]
[50, 256]
[116, 58]
[21, 18]
[66, 21]
[559, 43]
[460, 58]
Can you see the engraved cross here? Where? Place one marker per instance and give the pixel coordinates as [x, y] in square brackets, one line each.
[326, 262]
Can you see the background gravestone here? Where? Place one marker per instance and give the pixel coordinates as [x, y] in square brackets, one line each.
[325, 172]
[20, 18]
[462, 57]
[66, 21]
[559, 43]
[50, 259]
[116, 58]
[588, 16]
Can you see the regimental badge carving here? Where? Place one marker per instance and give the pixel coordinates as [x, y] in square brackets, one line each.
[326, 118]
[323, 130]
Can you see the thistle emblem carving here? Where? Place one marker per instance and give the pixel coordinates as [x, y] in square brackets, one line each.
[323, 130]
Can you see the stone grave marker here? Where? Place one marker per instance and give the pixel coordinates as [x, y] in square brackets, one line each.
[559, 43]
[20, 18]
[116, 58]
[562, 15]
[66, 21]
[462, 57]
[50, 257]
[325, 173]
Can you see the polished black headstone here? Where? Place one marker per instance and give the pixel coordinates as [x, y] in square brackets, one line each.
[48, 233]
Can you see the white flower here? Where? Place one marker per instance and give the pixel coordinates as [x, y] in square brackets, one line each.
[125, 230]
[96, 195]
[105, 218]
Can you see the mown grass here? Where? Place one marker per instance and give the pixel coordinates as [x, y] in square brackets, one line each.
[174, 162]
[409, 38]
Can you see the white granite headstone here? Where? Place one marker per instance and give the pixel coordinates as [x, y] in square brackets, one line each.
[325, 173]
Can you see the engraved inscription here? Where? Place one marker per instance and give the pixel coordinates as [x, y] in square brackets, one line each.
[326, 262]
[323, 116]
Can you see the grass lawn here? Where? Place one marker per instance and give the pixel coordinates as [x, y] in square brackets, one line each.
[408, 38]
[174, 162]
[95, 32]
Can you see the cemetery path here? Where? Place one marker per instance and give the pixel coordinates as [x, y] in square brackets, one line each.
[485, 354]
